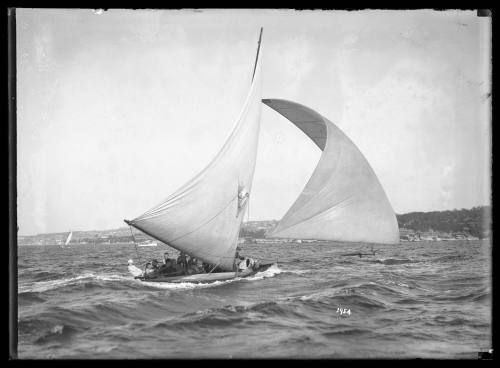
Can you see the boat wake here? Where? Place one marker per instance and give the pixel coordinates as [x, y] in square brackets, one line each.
[270, 272]
[390, 261]
[297, 272]
[95, 279]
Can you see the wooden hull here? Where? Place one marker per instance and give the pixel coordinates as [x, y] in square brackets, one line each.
[207, 277]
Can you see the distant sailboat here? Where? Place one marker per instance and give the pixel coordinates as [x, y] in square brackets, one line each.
[147, 243]
[68, 239]
[203, 217]
[343, 200]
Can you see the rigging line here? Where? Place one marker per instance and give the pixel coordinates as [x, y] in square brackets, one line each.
[135, 243]
[217, 265]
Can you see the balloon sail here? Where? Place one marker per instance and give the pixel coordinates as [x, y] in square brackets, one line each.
[343, 200]
[204, 216]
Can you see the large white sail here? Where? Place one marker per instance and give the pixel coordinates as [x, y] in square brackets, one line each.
[203, 217]
[343, 200]
[68, 239]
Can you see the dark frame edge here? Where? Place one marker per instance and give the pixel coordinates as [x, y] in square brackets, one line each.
[12, 94]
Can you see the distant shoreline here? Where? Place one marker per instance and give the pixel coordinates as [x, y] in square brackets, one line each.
[245, 241]
[464, 224]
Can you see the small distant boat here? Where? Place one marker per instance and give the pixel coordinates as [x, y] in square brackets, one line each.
[68, 239]
[147, 243]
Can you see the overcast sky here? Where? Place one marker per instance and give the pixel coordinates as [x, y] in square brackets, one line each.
[117, 109]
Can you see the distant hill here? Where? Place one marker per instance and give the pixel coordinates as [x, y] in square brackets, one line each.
[475, 221]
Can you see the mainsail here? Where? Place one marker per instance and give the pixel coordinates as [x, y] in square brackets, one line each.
[68, 239]
[203, 217]
[343, 200]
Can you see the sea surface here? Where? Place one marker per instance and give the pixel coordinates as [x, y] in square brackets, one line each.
[412, 300]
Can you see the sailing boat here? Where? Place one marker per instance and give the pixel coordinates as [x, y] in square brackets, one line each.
[203, 217]
[68, 239]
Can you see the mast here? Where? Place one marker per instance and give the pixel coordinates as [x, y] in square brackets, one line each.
[257, 55]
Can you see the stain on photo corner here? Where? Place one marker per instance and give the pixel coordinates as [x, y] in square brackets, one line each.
[484, 12]
[485, 355]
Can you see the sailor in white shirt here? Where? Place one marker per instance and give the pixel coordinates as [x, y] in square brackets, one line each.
[246, 263]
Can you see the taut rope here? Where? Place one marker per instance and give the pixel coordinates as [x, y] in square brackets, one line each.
[135, 243]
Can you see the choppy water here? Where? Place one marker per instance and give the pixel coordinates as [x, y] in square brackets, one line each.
[428, 300]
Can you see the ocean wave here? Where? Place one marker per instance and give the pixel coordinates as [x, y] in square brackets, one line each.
[230, 315]
[42, 286]
[27, 298]
[45, 275]
[302, 339]
[59, 333]
[475, 295]
[482, 296]
[347, 332]
[297, 272]
[43, 329]
[365, 296]
[453, 258]
[392, 261]
[28, 326]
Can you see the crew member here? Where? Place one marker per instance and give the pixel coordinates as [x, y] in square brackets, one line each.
[192, 266]
[168, 264]
[155, 265]
[181, 261]
[237, 259]
[243, 264]
[206, 267]
[148, 268]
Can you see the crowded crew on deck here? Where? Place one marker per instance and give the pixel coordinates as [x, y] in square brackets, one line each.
[187, 265]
